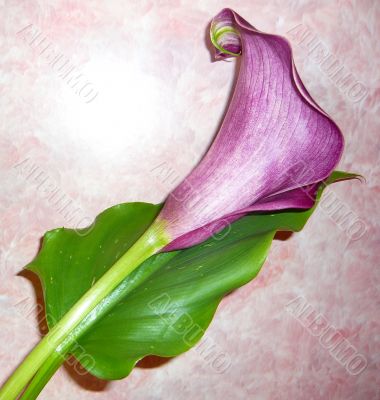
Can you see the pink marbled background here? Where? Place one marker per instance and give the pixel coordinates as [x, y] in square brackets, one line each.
[160, 100]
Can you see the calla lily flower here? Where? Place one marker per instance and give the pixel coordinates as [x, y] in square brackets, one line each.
[273, 149]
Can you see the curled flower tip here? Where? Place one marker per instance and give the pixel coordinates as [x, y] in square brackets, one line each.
[225, 37]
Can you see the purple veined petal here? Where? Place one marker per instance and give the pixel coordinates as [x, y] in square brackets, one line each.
[300, 198]
[274, 140]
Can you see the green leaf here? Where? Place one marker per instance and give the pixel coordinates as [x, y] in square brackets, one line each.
[165, 305]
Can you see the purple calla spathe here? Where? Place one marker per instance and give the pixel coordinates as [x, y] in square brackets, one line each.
[274, 147]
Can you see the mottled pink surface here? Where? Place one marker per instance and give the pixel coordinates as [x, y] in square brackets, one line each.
[160, 102]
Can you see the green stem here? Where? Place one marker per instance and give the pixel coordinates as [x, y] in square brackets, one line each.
[43, 376]
[149, 243]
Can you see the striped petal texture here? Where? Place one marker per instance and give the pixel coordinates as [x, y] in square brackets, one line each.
[274, 146]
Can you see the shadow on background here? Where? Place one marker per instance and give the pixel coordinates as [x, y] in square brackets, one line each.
[150, 362]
